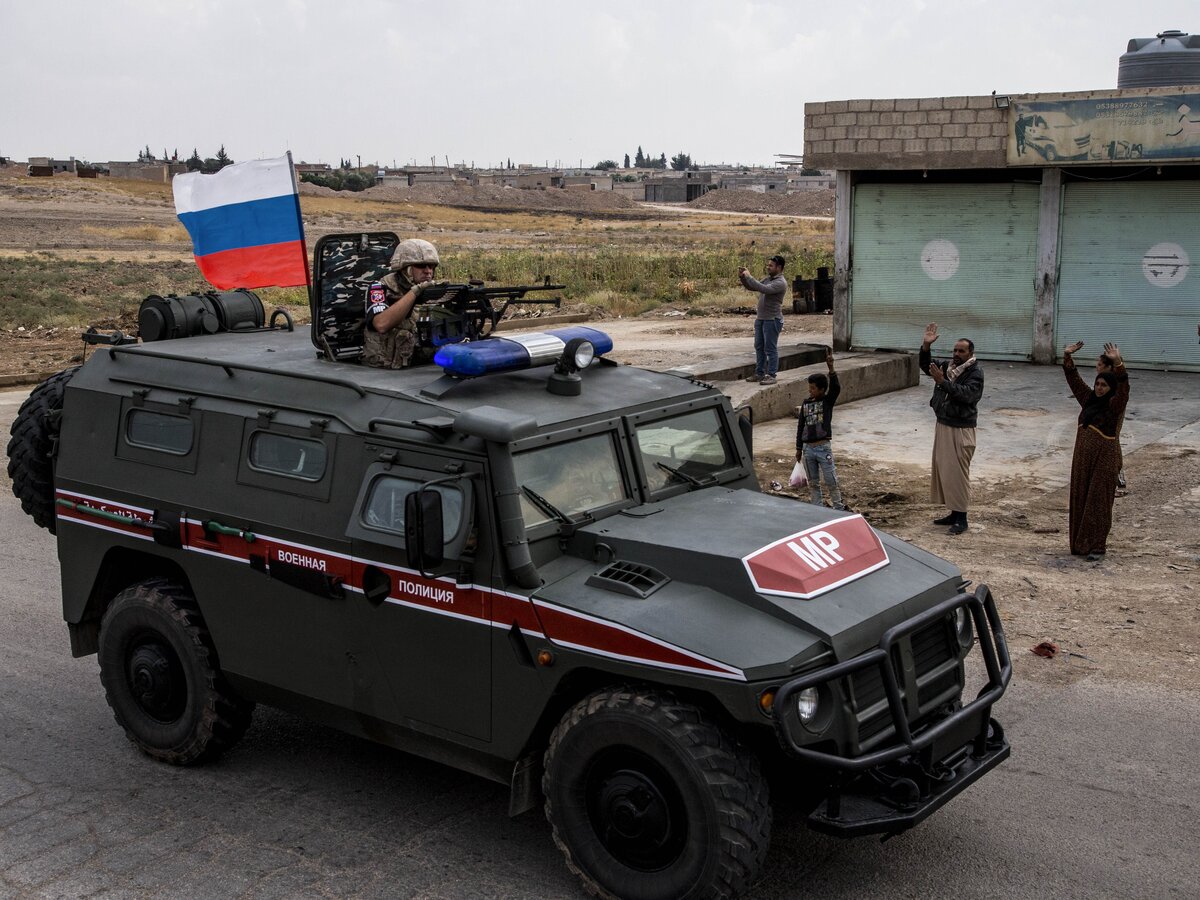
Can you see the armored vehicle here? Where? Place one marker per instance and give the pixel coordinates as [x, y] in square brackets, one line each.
[522, 560]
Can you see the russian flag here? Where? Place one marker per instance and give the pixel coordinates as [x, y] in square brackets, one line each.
[245, 224]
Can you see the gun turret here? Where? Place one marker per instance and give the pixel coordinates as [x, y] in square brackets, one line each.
[453, 312]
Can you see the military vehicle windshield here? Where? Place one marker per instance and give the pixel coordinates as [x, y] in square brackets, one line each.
[689, 449]
[564, 482]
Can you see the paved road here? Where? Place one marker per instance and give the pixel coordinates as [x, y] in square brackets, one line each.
[1101, 797]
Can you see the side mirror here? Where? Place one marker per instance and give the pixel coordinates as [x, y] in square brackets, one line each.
[745, 421]
[423, 530]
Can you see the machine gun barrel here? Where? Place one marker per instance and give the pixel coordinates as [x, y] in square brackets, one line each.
[461, 293]
[453, 312]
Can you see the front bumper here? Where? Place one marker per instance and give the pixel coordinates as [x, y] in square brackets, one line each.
[897, 785]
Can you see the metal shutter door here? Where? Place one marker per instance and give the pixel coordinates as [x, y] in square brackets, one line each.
[961, 255]
[1129, 257]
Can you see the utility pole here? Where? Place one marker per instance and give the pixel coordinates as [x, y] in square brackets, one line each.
[359, 155]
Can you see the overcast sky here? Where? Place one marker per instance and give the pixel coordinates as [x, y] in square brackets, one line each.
[484, 81]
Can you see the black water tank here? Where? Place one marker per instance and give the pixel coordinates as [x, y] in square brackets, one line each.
[1172, 58]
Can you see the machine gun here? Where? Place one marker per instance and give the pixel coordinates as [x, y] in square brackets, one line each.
[450, 313]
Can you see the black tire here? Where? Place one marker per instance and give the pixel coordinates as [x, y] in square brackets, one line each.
[161, 678]
[34, 433]
[649, 799]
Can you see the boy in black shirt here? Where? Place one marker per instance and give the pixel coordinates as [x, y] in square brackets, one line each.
[813, 433]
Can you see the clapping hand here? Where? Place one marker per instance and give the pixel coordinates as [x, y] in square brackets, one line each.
[936, 373]
[829, 358]
[1113, 352]
[931, 333]
[1072, 348]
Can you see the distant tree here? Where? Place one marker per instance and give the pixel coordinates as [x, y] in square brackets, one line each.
[164, 156]
[640, 159]
[195, 163]
[604, 165]
[626, 161]
[662, 161]
[808, 170]
[223, 159]
[681, 161]
[340, 180]
[145, 155]
[175, 155]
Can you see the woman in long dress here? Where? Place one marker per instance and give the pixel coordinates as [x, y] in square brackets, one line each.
[1097, 458]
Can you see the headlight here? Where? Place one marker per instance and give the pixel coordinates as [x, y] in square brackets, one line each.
[807, 703]
[962, 626]
[584, 354]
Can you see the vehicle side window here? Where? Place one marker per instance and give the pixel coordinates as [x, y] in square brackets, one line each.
[285, 454]
[384, 507]
[159, 431]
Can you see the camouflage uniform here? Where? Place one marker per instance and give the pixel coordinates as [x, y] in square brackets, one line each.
[392, 349]
[397, 348]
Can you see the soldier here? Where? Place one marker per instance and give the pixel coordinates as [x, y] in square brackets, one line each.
[390, 338]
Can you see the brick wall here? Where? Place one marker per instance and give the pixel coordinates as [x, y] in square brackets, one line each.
[924, 133]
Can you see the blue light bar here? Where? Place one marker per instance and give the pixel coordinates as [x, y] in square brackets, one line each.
[518, 351]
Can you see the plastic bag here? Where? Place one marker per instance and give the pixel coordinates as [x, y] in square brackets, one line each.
[798, 478]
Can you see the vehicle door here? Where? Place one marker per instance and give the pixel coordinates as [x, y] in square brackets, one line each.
[430, 631]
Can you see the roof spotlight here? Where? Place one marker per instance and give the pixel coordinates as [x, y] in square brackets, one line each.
[577, 354]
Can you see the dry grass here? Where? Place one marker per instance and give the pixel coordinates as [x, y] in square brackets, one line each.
[156, 234]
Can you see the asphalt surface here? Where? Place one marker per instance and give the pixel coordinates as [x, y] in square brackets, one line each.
[1101, 797]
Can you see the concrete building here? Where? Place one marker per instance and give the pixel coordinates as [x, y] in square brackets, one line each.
[588, 182]
[58, 165]
[678, 187]
[1023, 222]
[159, 172]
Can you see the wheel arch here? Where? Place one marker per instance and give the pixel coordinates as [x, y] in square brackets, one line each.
[525, 787]
[120, 568]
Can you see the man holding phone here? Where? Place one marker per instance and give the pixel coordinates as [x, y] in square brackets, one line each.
[768, 321]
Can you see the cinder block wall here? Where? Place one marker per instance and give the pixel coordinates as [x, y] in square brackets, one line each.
[930, 132]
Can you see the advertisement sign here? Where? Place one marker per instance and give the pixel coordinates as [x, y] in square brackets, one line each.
[1114, 129]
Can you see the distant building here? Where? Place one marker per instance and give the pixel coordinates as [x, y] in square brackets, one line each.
[57, 165]
[678, 187]
[160, 172]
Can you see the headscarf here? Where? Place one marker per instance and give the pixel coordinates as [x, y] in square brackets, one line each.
[953, 371]
[1096, 406]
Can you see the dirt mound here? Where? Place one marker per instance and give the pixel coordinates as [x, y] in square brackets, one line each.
[804, 203]
[487, 196]
[308, 189]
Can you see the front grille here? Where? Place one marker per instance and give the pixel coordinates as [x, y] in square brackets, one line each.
[934, 660]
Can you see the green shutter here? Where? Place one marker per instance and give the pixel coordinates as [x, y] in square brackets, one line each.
[1129, 270]
[961, 255]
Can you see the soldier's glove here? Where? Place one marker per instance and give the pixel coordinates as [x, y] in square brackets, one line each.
[419, 289]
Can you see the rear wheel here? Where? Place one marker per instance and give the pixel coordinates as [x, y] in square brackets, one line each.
[161, 678]
[31, 447]
[649, 798]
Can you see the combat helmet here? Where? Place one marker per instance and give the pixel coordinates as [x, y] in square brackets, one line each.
[414, 251]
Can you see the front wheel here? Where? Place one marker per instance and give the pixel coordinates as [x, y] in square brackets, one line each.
[650, 799]
[161, 678]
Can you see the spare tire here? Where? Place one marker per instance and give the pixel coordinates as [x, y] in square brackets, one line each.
[31, 448]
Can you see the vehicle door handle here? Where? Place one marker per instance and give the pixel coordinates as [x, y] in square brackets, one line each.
[377, 585]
